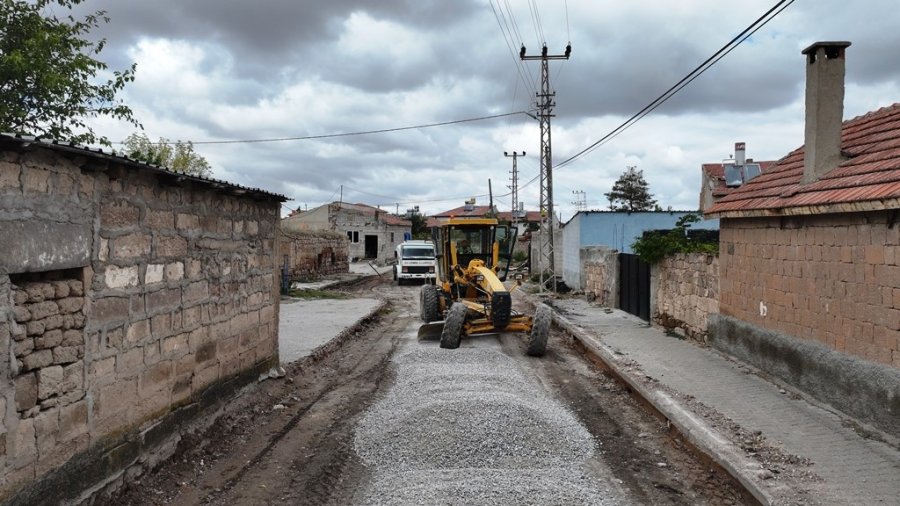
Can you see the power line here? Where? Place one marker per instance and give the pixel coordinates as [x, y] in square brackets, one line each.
[498, 13]
[700, 69]
[348, 134]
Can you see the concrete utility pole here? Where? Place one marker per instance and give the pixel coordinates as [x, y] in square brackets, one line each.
[514, 186]
[545, 106]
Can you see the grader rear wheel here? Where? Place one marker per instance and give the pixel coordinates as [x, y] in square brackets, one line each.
[453, 326]
[540, 331]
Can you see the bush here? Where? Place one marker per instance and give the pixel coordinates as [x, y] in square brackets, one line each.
[655, 245]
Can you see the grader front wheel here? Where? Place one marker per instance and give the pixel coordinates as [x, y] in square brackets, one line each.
[540, 331]
[453, 326]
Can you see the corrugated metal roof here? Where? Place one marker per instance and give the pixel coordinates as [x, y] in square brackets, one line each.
[869, 174]
[98, 154]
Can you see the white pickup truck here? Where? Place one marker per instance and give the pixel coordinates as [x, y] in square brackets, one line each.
[415, 261]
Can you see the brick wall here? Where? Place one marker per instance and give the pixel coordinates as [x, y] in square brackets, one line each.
[833, 279]
[131, 294]
[686, 292]
[313, 252]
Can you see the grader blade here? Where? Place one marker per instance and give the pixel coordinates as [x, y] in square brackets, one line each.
[431, 331]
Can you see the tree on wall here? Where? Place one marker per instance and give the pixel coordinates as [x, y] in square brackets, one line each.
[631, 192]
[178, 156]
[48, 73]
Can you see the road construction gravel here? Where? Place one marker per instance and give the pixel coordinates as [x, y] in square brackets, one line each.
[467, 426]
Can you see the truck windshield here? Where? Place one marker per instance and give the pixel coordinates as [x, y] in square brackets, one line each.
[418, 252]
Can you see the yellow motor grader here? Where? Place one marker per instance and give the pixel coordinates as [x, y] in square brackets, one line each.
[469, 297]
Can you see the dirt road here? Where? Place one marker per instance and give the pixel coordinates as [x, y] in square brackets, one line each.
[307, 439]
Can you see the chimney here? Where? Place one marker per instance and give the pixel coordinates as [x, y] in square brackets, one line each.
[824, 108]
[740, 152]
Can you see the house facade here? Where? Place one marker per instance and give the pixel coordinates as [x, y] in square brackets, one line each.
[810, 256]
[615, 230]
[133, 300]
[372, 233]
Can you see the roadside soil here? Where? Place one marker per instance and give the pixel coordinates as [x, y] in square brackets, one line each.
[290, 440]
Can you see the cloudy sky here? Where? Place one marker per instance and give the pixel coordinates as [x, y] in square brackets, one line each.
[225, 70]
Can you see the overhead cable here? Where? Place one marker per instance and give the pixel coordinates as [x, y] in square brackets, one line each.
[700, 69]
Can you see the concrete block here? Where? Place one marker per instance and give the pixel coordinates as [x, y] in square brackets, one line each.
[9, 176]
[137, 331]
[73, 337]
[108, 309]
[67, 354]
[131, 246]
[185, 221]
[130, 363]
[161, 325]
[26, 388]
[73, 420]
[115, 214]
[46, 429]
[154, 273]
[23, 446]
[175, 271]
[160, 219]
[42, 245]
[35, 180]
[103, 370]
[175, 346]
[171, 246]
[121, 277]
[49, 379]
[167, 298]
[156, 378]
[73, 377]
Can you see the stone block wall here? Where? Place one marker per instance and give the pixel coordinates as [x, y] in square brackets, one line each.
[313, 253]
[600, 273]
[686, 292]
[832, 279]
[131, 296]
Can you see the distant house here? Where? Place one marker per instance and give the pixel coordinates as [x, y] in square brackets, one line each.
[713, 184]
[614, 229]
[525, 219]
[810, 255]
[372, 233]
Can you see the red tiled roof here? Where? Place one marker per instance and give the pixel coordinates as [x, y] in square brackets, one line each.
[870, 175]
[482, 211]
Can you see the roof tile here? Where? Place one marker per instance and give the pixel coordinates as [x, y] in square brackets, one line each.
[870, 173]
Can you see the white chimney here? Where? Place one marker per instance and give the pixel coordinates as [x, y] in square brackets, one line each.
[824, 108]
[740, 152]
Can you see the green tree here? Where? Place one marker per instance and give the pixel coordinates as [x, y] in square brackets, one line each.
[419, 225]
[631, 192]
[178, 156]
[48, 73]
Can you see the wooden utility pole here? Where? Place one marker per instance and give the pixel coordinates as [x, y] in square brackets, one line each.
[545, 106]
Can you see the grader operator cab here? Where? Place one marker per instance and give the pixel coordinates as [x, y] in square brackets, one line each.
[469, 296]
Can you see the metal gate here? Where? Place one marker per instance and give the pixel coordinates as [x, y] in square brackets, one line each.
[634, 286]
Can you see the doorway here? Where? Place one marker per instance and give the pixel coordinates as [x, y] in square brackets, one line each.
[371, 246]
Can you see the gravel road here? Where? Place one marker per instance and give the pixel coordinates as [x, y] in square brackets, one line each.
[468, 426]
